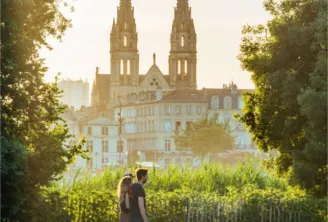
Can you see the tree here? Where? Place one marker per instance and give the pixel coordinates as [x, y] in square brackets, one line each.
[287, 112]
[205, 136]
[33, 136]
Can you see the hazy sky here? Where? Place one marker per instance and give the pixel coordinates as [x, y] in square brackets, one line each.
[218, 25]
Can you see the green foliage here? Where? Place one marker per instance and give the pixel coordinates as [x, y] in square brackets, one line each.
[174, 194]
[288, 61]
[205, 136]
[32, 132]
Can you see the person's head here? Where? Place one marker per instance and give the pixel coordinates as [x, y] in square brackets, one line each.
[128, 173]
[142, 175]
[123, 186]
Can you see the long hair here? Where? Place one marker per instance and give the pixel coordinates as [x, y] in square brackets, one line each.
[123, 187]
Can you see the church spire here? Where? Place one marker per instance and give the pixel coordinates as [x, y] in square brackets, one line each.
[183, 8]
[182, 59]
[124, 50]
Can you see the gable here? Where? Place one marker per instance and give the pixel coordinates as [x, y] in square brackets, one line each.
[154, 79]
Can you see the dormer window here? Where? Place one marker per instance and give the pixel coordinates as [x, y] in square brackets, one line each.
[125, 41]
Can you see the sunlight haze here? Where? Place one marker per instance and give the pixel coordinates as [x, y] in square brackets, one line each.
[218, 26]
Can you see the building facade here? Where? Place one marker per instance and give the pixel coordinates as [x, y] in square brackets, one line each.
[143, 111]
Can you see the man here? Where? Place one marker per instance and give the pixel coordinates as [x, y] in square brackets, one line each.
[138, 197]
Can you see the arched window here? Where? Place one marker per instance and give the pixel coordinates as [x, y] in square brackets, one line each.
[182, 43]
[179, 67]
[227, 102]
[215, 102]
[240, 102]
[122, 67]
[125, 41]
[185, 66]
[125, 26]
[182, 26]
[128, 68]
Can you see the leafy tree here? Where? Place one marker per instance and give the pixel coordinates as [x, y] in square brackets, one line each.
[205, 136]
[288, 61]
[34, 140]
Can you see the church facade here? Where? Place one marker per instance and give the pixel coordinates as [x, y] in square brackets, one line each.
[125, 78]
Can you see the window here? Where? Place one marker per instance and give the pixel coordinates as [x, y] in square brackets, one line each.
[178, 109]
[119, 146]
[89, 130]
[104, 130]
[168, 109]
[182, 41]
[167, 145]
[240, 102]
[153, 110]
[149, 110]
[90, 146]
[179, 67]
[199, 110]
[104, 145]
[125, 41]
[215, 102]
[178, 126]
[185, 66]
[90, 163]
[125, 26]
[167, 126]
[227, 102]
[121, 67]
[145, 111]
[188, 109]
[146, 126]
[128, 68]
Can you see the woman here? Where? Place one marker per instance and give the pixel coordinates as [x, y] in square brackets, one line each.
[123, 198]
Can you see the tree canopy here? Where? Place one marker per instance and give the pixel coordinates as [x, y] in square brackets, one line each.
[288, 61]
[34, 140]
[205, 136]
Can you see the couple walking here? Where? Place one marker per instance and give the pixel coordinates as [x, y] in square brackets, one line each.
[132, 197]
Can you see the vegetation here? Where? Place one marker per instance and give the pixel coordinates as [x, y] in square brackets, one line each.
[287, 112]
[32, 133]
[197, 193]
[217, 134]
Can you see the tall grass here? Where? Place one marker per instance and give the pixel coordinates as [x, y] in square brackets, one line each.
[209, 178]
[172, 190]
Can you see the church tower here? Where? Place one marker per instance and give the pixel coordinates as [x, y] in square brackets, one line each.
[183, 58]
[124, 52]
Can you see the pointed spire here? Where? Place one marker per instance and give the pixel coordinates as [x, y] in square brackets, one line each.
[125, 3]
[154, 58]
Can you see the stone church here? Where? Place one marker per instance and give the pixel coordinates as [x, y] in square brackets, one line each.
[125, 78]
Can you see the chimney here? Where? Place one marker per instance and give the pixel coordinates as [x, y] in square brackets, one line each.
[233, 88]
[159, 93]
